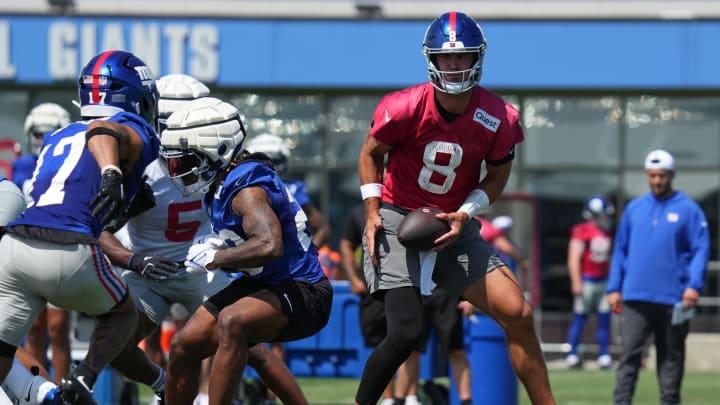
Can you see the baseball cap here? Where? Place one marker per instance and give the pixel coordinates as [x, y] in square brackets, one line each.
[659, 159]
[503, 222]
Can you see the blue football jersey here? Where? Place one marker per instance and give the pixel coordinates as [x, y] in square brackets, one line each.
[298, 191]
[22, 169]
[299, 260]
[67, 177]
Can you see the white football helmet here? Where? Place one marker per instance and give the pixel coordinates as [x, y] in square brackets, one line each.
[274, 147]
[201, 139]
[176, 91]
[44, 118]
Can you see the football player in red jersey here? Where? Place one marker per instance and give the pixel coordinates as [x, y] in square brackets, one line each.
[588, 262]
[436, 136]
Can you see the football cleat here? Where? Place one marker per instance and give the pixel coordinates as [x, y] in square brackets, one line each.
[76, 392]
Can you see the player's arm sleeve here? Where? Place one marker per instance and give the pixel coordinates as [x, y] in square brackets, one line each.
[700, 243]
[617, 261]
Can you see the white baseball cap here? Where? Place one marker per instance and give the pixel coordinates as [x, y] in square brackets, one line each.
[659, 159]
[503, 222]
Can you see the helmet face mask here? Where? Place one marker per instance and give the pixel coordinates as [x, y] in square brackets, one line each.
[453, 33]
[117, 81]
[191, 171]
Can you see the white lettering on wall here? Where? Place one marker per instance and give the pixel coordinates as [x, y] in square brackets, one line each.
[146, 44]
[176, 35]
[7, 70]
[191, 49]
[88, 45]
[113, 38]
[62, 52]
[204, 63]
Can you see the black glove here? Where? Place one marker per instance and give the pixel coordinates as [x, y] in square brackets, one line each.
[110, 198]
[154, 268]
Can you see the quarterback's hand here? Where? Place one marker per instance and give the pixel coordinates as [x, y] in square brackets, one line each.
[154, 268]
[202, 253]
[109, 200]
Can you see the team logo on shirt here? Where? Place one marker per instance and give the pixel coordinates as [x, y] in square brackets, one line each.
[486, 120]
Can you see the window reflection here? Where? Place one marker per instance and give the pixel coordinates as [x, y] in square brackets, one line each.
[563, 131]
[686, 127]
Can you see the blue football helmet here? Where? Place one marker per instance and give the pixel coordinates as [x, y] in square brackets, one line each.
[600, 209]
[454, 32]
[116, 81]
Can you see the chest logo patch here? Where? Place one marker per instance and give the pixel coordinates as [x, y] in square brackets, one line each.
[486, 120]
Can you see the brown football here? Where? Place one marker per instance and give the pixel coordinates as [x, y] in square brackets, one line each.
[419, 229]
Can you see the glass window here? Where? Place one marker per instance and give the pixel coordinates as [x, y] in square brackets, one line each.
[689, 128]
[14, 106]
[345, 187]
[300, 119]
[348, 123]
[561, 195]
[564, 131]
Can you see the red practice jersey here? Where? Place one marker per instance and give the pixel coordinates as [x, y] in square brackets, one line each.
[488, 232]
[436, 163]
[595, 261]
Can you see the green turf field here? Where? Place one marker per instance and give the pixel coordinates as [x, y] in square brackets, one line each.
[570, 388]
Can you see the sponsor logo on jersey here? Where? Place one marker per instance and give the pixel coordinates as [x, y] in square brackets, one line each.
[486, 120]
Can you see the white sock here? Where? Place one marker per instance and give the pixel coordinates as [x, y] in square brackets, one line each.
[201, 399]
[159, 384]
[44, 389]
[411, 400]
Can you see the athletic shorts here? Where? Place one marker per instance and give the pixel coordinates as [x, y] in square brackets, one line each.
[154, 298]
[593, 298]
[443, 315]
[456, 268]
[373, 324]
[307, 305]
[71, 276]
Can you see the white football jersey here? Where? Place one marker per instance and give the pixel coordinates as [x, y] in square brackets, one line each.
[169, 228]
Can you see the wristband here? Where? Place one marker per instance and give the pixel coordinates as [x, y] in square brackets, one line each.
[371, 190]
[475, 203]
[111, 167]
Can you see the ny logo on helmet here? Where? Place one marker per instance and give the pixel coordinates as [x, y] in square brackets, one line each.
[146, 74]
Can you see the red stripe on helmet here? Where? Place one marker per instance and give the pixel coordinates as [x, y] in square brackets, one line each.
[96, 76]
[453, 19]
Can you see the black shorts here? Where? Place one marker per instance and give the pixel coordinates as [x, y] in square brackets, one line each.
[307, 305]
[372, 320]
[443, 315]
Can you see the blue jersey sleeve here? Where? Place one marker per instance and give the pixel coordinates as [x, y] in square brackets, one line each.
[22, 169]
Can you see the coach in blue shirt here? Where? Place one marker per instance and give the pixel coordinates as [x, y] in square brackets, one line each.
[659, 261]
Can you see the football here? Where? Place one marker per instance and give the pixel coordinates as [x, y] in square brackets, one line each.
[419, 229]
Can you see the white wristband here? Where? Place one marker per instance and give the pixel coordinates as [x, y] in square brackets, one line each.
[475, 203]
[371, 190]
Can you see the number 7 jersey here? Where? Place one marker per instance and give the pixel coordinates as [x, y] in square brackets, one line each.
[67, 177]
[435, 162]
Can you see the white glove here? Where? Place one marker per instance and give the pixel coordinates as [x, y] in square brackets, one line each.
[202, 253]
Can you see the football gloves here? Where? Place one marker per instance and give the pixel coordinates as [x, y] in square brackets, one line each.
[154, 268]
[108, 203]
[202, 253]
